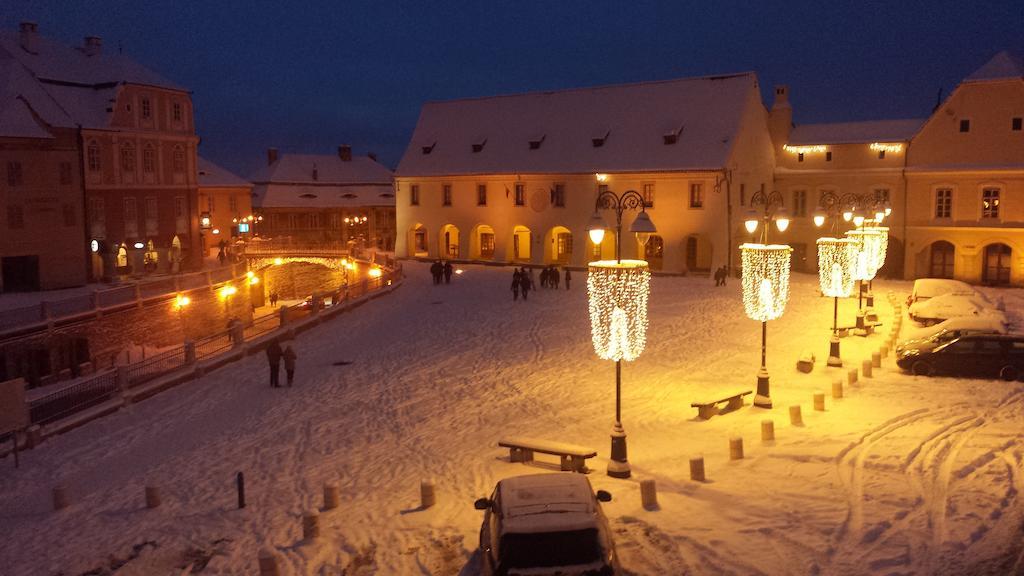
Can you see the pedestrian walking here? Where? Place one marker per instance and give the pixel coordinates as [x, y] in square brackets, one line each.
[725, 274]
[273, 299]
[447, 272]
[289, 362]
[555, 277]
[221, 256]
[274, 359]
[526, 284]
[568, 278]
[516, 277]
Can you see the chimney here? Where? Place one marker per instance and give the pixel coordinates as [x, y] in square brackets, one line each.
[271, 156]
[93, 46]
[345, 153]
[28, 37]
[372, 156]
[781, 97]
[780, 117]
[316, 173]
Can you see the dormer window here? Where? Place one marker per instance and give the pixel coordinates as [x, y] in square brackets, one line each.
[598, 141]
[428, 149]
[351, 196]
[307, 196]
[479, 145]
[536, 141]
[672, 136]
[1016, 124]
[965, 125]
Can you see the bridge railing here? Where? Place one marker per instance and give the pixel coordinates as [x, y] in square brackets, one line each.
[278, 246]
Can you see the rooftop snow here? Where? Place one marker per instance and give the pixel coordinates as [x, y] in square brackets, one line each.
[211, 175]
[855, 132]
[632, 119]
[1002, 66]
[330, 169]
[322, 196]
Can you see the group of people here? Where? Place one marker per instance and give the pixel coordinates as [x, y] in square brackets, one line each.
[275, 353]
[720, 275]
[441, 270]
[522, 280]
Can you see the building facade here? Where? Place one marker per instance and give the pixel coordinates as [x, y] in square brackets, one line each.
[514, 179]
[225, 206]
[331, 198]
[136, 145]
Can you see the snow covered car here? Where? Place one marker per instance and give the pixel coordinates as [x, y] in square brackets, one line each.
[940, 308]
[950, 330]
[974, 355]
[546, 524]
[925, 288]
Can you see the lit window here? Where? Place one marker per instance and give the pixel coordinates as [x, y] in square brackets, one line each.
[696, 195]
[943, 203]
[990, 203]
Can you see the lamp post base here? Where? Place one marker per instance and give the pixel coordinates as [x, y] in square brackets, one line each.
[763, 398]
[618, 465]
[833, 353]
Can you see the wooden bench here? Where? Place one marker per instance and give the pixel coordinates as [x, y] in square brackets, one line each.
[574, 457]
[706, 410]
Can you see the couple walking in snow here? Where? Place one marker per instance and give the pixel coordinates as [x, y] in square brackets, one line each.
[274, 355]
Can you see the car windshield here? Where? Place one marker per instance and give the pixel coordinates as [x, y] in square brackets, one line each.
[547, 549]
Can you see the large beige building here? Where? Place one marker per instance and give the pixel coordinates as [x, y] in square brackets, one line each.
[514, 178]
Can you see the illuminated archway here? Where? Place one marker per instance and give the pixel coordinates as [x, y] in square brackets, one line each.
[122, 256]
[558, 241]
[449, 242]
[416, 244]
[481, 243]
[521, 244]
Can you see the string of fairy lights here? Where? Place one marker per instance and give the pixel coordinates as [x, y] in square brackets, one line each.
[834, 272]
[618, 293]
[869, 253]
[765, 280]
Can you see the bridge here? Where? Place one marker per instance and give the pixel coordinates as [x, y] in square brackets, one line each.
[335, 255]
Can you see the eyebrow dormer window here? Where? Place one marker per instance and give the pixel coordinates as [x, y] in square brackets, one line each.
[479, 145]
[429, 149]
[672, 136]
[536, 141]
[598, 141]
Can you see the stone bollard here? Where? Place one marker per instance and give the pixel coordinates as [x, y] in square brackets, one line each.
[190, 351]
[649, 494]
[152, 497]
[427, 496]
[883, 352]
[310, 525]
[268, 563]
[697, 468]
[865, 367]
[819, 401]
[34, 436]
[736, 448]
[851, 376]
[876, 360]
[283, 312]
[795, 417]
[122, 382]
[330, 496]
[837, 389]
[767, 430]
[60, 498]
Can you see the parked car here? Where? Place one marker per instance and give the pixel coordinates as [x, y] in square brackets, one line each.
[976, 355]
[926, 288]
[949, 330]
[940, 308]
[546, 524]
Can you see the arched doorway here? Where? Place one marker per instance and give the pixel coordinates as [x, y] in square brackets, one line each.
[449, 239]
[996, 270]
[654, 252]
[941, 259]
[122, 256]
[698, 254]
[150, 259]
[417, 242]
[482, 243]
[559, 241]
[175, 255]
[521, 243]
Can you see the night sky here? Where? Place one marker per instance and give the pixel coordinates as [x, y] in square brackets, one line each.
[307, 79]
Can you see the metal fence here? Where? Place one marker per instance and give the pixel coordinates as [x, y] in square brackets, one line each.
[154, 366]
[74, 398]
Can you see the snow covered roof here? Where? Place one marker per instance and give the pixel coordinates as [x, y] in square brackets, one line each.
[322, 196]
[212, 175]
[685, 124]
[329, 169]
[17, 89]
[855, 132]
[58, 62]
[1002, 66]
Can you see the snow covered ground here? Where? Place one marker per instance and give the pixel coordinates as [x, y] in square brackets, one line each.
[906, 475]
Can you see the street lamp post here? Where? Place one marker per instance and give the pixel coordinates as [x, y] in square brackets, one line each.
[772, 209]
[618, 304]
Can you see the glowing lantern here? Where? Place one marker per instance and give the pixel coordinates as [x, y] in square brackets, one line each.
[882, 245]
[375, 273]
[834, 272]
[618, 294]
[866, 263]
[765, 280]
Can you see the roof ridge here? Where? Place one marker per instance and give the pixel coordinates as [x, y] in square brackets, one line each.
[595, 87]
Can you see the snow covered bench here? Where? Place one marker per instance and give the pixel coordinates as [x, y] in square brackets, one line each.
[706, 410]
[574, 457]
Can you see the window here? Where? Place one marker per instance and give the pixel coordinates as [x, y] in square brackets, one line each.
[481, 194]
[1016, 124]
[648, 194]
[743, 194]
[414, 195]
[147, 108]
[800, 157]
[15, 216]
[696, 195]
[69, 215]
[128, 158]
[559, 195]
[96, 210]
[828, 156]
[233, 204]
[446, 195]
[487, 244]
[990, 203]
[881, 195]
[148, 159]
[14, 174]
[314, 220]
[65, 173]
[800, 203]
[93, 157]
[881, 154]
[131, 218]
[944, 203]
[179, 206]
[210, 203]
[520, 194]
[151, 208]
[965, 125]
[176, 111]
[179, 160]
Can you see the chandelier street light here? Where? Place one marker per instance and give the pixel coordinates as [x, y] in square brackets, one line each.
[617, 294]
